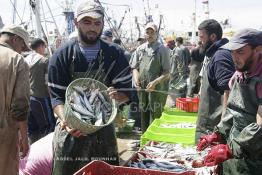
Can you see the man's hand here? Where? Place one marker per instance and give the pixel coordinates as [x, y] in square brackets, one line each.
[151, 86]
[23, 146]
[218, 154]
[73, 132]
[23, 138]
[207, 140]
[118, 96]
[137, 83]
[136, 79]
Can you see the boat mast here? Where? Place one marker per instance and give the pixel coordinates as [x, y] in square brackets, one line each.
[43, 12]
[193, 39]
[14, 11]
[69, 15]
[138, 27]
[148, 7]
[206, 8]
[53, 18]
[36, 10]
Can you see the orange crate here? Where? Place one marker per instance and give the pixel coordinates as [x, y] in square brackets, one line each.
[101, 168]
[187, 104]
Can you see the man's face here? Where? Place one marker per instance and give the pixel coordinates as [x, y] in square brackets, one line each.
[108, 39]
[42, 49]
[205, 39]
[243, 58]
[150, 35]
[90, 29]
[18, 44]
[171, 45]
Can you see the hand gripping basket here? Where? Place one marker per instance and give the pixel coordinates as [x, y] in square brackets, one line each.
[76, 123]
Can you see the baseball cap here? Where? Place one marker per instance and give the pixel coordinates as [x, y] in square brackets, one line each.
[244, 37]
[108, 33]
[19, 31]
[91, 9]
[152, 26]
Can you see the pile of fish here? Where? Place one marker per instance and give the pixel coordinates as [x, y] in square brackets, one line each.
[90, 105]
[159, 165]
[172, 157]
[172, 151]
[179, 125]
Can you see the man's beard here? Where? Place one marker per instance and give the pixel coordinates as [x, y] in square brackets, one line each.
[88, 40]
[151, 39]
[247, 65]
[206, 46]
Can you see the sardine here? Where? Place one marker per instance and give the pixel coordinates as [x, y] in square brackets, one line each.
[100, 116]
[106, 116]
[99, 122]
[79, 90]
[106, 107]
[93, 96]
[81, 110]
[77, 114]
[75, 98]
[101, 96]
[97, 105]
[87, 104]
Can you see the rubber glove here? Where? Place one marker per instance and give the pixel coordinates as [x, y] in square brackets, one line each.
[207, 140]
[218, 154]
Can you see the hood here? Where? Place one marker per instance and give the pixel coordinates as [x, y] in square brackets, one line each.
[215, 46]
[33, 58]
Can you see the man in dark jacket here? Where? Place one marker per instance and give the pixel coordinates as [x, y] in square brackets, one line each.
[90, 57]
[216, 72]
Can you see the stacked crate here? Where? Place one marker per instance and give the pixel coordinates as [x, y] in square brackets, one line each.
[156, 131]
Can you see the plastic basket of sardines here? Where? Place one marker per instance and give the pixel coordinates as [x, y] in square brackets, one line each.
[88, 107]
[101, 168]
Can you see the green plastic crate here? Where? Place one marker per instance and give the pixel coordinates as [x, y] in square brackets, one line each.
[168, 138]
[175, 111]
[171, 135]
[178, 118]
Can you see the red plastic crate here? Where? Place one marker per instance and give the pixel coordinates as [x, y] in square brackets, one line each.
[101, 168]
[187, 104]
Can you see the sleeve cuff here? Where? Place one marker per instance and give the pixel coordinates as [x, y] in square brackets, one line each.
[22, 117]
[56, 102]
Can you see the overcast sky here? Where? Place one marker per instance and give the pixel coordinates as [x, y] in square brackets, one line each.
[177, 13]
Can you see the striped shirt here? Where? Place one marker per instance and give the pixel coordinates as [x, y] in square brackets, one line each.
[90, 52]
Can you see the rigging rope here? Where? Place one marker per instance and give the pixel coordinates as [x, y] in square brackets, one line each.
[16, 11]
[111, 26]
[24, 10]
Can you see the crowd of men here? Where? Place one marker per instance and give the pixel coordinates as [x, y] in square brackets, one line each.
[225, 74]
